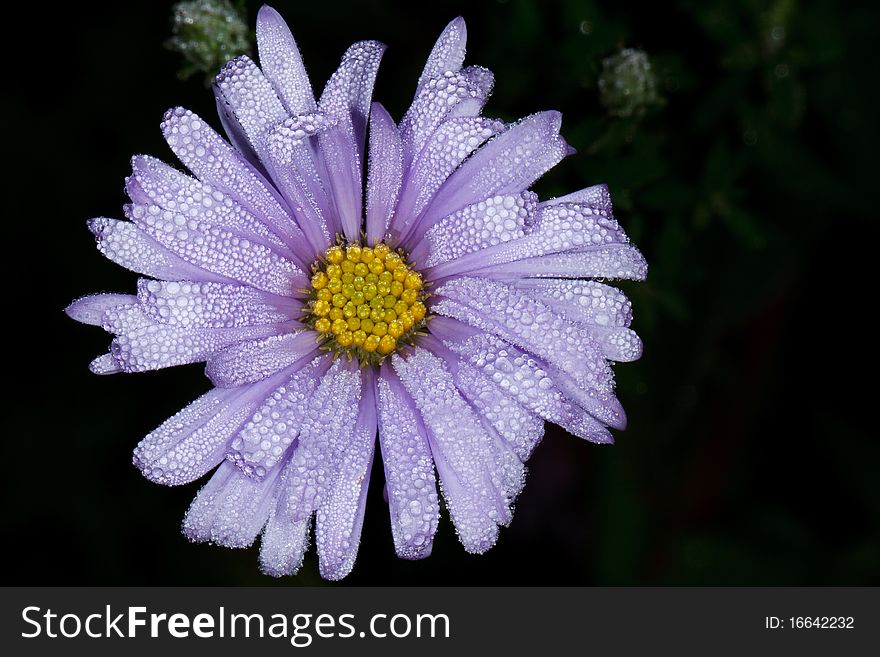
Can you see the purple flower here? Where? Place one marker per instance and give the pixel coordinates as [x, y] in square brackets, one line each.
[465, 311]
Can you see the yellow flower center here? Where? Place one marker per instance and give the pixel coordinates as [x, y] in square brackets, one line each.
[365, 302]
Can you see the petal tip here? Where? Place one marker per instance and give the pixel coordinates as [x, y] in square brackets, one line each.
[335, 571]
[455, 29]
[98, 225]
[458, 22]
[413, 553]
[74, 310]
[267, 11]
[104, 365]
[271, 571]
[269, 19]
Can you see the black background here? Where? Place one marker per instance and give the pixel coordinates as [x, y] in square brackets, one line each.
[749, 458]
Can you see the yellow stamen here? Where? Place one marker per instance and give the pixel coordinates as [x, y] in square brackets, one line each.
[387, 344]
[365, 301]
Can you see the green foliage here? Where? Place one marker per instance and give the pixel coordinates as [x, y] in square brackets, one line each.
[208, 33]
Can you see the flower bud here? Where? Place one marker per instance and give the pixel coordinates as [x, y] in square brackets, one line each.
[627, 85]
[208, 33]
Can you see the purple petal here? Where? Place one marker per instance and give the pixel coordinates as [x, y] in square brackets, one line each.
[283, 545]
[215, 162]
[521, 429]
[483, 79]
[231, 509]
[570, 356]
[589, 302]
[141, 344]
[506, 471]
[461, 449]
[349, 91]
[135, 192]
[604, 312]
[91, 309]
[339, 520]
[525, 322]
[194, 440]
[508, 164]
[619, 344]
[104, 365]
[596, 197]
[221, 251]
[600, 404]
[556, 229]
[341, 169]
[236, 135]
[385, 173]
[326, 430]
[265, 438]
[445, 150]
[346, 98]
[409, 470]
[448, 95]
[295, 168]
[172, 190]
[523, 377]
[282, 62]
[494, 221]
[251, 102]
[127, 245]
[247, 362]
[212, 305]
[125, 319]
[622, 261]
[474, 518]
[448, 52]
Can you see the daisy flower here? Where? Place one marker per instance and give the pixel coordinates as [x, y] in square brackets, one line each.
[441, 305]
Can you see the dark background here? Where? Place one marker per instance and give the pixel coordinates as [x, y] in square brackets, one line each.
[749, 458]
